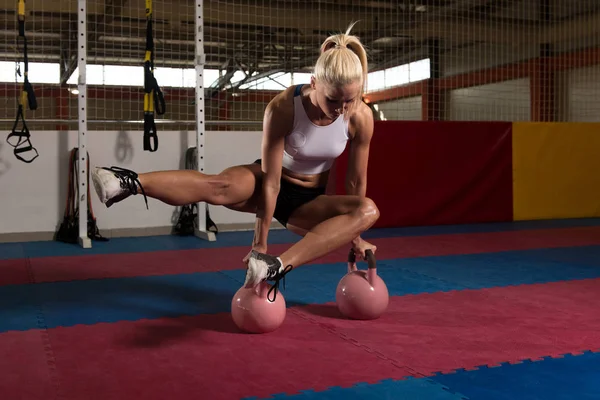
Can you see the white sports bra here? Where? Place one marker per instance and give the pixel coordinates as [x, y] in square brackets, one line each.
[309, 148]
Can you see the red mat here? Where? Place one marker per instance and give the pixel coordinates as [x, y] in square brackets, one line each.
[118, 265]
[441, 332]
[203, 357]
[49, 269]
[27, 367]
[14, 272]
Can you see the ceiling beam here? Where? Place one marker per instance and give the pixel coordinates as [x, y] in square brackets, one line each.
[232, 26]
[569, 30]
[308, 17]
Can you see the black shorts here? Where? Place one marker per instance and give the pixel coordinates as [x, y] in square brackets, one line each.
[291, 197]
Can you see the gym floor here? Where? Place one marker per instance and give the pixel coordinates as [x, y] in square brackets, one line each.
[494, 311]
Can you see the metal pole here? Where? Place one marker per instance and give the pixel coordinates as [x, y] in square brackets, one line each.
[82, 190]
[199, 61]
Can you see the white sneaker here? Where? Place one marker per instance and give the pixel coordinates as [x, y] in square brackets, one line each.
[115, 184]
[263, 267]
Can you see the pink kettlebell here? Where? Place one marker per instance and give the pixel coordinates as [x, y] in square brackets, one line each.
[362, 294]
[253, 311]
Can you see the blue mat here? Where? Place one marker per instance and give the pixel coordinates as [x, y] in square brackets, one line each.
[409, 389]
[111, 300]
[568, 378]
[477, 271]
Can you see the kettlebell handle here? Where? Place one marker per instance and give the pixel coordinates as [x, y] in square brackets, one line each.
[372, 262]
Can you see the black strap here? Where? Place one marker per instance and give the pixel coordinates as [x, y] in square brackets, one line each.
[154, 99]
[150, 136]
[68, 231]
[22, 144]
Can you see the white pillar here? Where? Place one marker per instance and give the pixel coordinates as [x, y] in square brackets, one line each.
[199, 61]
[82, 190]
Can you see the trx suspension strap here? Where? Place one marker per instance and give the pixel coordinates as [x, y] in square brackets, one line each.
[19, 139]
[68, 230]
[153, 97]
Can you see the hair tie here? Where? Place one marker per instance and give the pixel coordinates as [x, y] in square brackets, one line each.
[332, 45]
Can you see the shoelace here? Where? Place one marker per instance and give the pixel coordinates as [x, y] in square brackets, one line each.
[279, 276]
[129, 180]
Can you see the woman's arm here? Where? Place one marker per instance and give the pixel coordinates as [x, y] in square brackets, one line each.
[276, 124]
[358, 155]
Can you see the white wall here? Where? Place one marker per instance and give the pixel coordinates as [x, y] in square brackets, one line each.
[504, 101]
[408, 109]
[32, 196]
[482, 56]
[582, 94]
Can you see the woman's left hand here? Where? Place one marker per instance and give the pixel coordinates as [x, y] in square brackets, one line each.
[361, 246]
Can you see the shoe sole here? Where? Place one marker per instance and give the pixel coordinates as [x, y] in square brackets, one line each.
[252, 268]
[98, 187]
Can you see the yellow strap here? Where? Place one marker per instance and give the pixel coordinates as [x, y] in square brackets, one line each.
[149, 102]
[21, 11]
[148, 97]
[24, 102]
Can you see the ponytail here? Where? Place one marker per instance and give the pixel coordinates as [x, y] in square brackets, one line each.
[343, 60]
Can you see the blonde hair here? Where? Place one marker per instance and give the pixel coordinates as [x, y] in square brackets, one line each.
[343, 60]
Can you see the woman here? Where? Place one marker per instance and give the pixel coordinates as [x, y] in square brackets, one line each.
[305, 128]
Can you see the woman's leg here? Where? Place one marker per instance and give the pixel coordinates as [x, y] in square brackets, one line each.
[234, 187]
[326, 223]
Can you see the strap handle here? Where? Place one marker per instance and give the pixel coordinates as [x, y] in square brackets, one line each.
[154, 99]
[27, 99]
[370, 257]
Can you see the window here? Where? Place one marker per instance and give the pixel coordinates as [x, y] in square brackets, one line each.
[38, 72]
[115, 75]
[399, 75]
